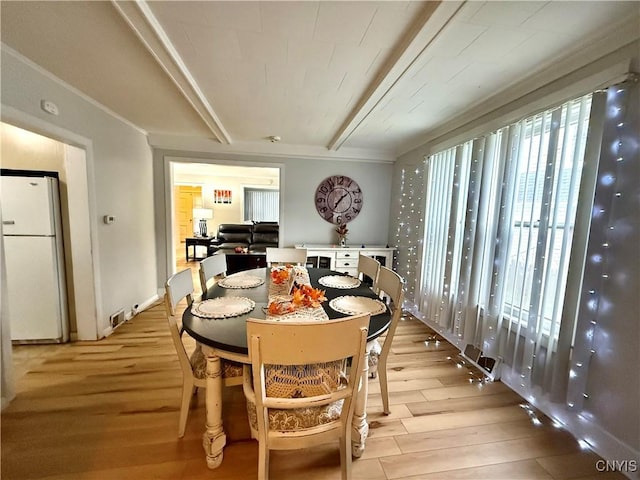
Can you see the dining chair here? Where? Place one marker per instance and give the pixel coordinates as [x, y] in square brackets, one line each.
[392, 285]
[296, 256]
[210, 267]
[369, 267]
[299, 391]
[177, 288]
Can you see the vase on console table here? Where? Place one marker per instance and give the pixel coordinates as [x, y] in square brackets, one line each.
[342, 231]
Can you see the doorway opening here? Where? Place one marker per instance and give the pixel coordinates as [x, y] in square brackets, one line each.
[24, 149]
[206, 195]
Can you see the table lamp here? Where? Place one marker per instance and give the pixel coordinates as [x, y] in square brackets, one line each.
[203, 214]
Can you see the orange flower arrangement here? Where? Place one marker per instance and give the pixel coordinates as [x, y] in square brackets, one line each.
[281, 274]
[307, 296]
[303, 296]
[280, 308]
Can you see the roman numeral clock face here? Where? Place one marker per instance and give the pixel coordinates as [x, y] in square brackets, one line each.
[338, 199]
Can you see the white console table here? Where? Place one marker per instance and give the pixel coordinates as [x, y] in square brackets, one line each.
[345, 259]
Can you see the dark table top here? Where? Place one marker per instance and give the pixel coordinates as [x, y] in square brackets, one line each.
[230, 334]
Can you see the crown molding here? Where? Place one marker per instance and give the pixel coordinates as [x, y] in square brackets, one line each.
[267, 149]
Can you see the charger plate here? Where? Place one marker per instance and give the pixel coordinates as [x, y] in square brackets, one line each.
[241, 281]
[351, 305]
[339, 281]
[223, 307]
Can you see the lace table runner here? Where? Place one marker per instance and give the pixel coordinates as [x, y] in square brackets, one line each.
[280, 292]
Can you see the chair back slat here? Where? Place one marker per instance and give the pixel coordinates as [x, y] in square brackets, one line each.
[392, 284]
[179, 286]
[299, 343]
[210, 267]
[295, 256]
[371, 268]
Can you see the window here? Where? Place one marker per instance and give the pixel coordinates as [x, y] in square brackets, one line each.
[526, 246]
[261, 205]
[499, 229]
[550, 158]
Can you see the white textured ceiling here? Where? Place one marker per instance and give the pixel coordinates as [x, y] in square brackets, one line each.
[374, 78]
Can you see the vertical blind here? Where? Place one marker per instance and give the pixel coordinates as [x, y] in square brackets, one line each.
[528, 250]
[261, 205]
[498, 233]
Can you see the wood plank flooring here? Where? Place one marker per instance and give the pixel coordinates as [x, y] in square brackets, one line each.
[109, 410]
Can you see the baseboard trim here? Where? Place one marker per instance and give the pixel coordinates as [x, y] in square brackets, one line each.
[131, 313]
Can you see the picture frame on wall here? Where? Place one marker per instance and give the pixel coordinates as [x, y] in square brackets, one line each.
[221, 196]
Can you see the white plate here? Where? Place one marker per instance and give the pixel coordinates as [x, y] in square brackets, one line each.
[241, 281]
[339, 281]
[223, 307]
[351, 305]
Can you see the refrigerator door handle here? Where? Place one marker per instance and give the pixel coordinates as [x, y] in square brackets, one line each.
[8, 222]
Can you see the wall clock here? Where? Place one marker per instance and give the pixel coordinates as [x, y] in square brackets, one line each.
[338, 199]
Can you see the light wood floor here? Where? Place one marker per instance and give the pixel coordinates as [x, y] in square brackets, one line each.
[109, 410]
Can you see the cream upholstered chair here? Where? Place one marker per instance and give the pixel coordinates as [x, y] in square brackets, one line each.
[296, 256]
[370, 267]
[210, 267]
[179, 287]
[300, 393]
[392, 286]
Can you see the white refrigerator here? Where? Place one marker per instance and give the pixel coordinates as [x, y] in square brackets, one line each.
[34, 257]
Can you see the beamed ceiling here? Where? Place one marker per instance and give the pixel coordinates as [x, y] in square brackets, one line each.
[335, 79]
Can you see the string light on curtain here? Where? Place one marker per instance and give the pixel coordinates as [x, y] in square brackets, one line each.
[407, 238]
[462, 294]
[563, 337]
[608, 272]
[446, 174]
[531, 413]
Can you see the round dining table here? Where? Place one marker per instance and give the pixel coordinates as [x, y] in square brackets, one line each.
[226, 338]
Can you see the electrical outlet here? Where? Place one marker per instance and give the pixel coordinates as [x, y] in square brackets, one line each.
[49, 107]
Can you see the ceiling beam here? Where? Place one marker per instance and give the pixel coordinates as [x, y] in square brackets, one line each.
[432, 19]
[146, 26]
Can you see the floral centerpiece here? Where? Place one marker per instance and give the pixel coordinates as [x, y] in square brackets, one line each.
[280, 275]
[342, 231]
[303, 296]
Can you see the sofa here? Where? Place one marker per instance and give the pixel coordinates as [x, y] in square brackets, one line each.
[263, 235]
[255, 237]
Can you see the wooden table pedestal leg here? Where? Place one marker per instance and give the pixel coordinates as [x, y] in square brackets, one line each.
[359, 425]
[214, 438]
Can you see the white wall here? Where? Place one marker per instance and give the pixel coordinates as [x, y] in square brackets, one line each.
[119, 180]
[299, 221]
